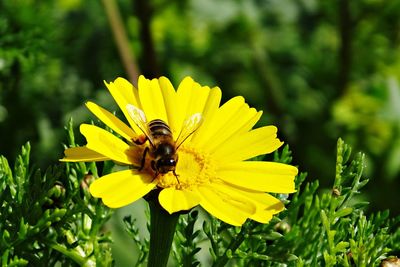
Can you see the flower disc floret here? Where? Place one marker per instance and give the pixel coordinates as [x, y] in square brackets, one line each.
[193, 169]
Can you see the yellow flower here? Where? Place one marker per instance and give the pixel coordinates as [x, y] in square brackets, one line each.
[212, 169]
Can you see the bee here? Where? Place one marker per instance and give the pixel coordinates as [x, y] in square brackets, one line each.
[163, 148]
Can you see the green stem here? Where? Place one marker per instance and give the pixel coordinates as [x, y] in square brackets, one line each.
[72, 254]
[162, 230]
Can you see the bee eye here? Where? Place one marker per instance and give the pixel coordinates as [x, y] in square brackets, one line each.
[171, 162]
[166, 163]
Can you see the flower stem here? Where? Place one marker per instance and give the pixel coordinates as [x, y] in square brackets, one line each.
[162, 230]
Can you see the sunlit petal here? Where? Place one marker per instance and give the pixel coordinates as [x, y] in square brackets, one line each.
[198, 99]
[170, 102]
[121, 188]
[184, 94]
[262, 216]
[211, 106]
[111, 121]
[263, 201]
[233, 125]
[105, 143]
[260, 176]
[226, 204]
[248, 145]
[82, 153]
[267, 206]
[125, 93]
[173, 200]
[212, 126]
[152, 99]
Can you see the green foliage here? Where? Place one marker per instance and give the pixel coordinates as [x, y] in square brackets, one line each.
[143, 244]
[327, 228]
[49, 218]
[186, 241]
[40, 80]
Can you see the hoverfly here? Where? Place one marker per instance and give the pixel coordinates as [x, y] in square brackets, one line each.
[163, 148]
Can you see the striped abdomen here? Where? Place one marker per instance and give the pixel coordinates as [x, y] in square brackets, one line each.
[159, 128]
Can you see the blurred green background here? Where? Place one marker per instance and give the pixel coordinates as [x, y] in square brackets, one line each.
[319, 69]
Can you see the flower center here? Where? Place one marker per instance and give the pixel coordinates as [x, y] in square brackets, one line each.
[193, 168]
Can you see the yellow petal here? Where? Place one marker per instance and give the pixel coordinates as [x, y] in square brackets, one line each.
[266, 204]
[262, 216]
[197, 103]
[210, 107]
[232, 125]
[184, 94]
[79, 154]
[111, 121]
[198, 99]
[264, 201]
[152, 99]
[125, 93]
[273, 206]
[191, 98]
[121, 188]
[173, 200]
[250, 123]
[226, 204]
[260, 176]
[212, 126]
[127, 90]
[170, 101]
[212, 103]
[248, 145]
[105, 143]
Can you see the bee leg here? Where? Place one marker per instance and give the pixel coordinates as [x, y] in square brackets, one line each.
[176, 176]
[153, 167]
[143, 158]
[155, 176]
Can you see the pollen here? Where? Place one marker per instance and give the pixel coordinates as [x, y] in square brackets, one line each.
[193, 168]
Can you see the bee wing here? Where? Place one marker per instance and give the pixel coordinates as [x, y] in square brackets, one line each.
[190, 125]
[139, 118]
